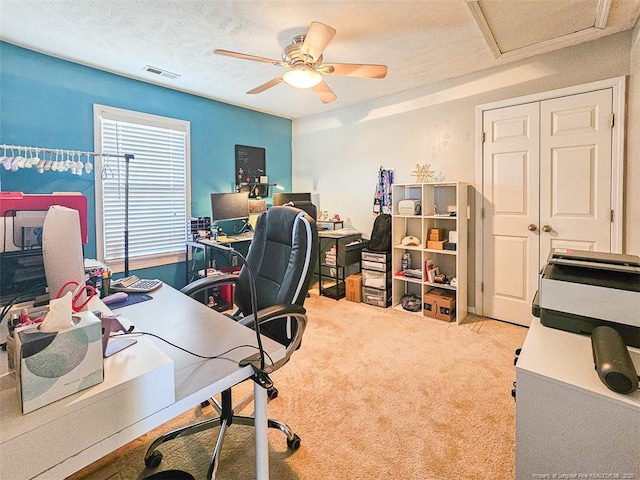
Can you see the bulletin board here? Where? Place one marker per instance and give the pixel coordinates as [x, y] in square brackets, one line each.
[250, 166]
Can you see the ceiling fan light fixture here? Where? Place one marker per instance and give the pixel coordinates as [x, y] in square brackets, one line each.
[302, 77]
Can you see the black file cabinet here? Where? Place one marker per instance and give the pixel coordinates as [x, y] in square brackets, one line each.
[376, 278]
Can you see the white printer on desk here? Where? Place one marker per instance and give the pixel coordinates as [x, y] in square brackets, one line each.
[580, 290]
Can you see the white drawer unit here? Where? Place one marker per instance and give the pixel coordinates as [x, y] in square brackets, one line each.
[376, 278]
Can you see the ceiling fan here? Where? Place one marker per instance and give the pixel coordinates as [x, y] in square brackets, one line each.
[303, 58]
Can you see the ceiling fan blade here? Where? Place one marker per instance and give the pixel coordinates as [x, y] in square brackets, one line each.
[264, 86]
[244, 56]
[324, 93]
[354, 70]
[318, 37]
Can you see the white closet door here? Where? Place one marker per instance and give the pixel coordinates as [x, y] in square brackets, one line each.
[510, 171]
[547, 184]
[575, 173]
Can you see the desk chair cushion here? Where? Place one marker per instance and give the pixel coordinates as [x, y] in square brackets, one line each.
[281, 256]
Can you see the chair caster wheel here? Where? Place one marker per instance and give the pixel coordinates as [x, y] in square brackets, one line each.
[153, 461]
[294, 443]
[272, 393]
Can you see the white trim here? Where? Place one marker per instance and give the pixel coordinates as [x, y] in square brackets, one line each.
[574, 38]
[487, 33]
[618, 86]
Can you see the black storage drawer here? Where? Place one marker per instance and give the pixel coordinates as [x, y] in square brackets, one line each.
[346, 253]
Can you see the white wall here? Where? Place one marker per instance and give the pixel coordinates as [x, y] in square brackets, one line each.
[632, 178]
[337, 155]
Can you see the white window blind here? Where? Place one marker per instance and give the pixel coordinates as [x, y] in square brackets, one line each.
[158, 188]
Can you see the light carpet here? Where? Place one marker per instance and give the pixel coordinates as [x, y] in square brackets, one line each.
[373, 393]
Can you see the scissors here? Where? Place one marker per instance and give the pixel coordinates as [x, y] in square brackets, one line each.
[76, 306]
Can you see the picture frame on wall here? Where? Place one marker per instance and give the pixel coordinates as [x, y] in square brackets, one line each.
[250, 170]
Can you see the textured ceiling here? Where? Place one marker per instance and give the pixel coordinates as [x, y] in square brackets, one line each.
[421, 42]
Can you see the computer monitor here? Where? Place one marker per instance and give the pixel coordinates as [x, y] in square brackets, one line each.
[229, 206]
[283, 198]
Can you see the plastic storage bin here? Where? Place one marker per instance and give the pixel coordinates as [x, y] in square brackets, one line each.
[377, 297]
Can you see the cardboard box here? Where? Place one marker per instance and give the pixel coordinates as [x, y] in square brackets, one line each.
[436, 245]
[440, 304]
[436, 234]
[354, 288]
[51, 366]
[429, 306]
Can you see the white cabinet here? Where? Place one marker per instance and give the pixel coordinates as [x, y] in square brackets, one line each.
[444, 208]
[568, 423]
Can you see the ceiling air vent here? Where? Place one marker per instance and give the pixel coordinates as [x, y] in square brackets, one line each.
[159, 71]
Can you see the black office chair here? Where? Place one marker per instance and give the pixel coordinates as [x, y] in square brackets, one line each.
[281, 257]
[308, 207]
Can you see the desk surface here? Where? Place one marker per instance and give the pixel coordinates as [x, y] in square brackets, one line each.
[145, 385]
[568, 360]
[228, 239]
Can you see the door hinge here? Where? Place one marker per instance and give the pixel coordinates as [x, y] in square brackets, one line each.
[611, 216]
[482, 213]
[481, 287]
[484, 137]
[613, 119]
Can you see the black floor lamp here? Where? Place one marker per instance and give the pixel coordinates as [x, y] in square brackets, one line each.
[127, 158]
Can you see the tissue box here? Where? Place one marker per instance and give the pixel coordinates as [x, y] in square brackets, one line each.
[51, 366]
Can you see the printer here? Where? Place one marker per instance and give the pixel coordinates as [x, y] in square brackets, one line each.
[580, 290]
[409, 207]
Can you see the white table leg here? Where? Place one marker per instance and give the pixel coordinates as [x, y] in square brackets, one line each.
[262, 445]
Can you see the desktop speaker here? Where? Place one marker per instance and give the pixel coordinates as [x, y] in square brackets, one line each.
[62, 249]
[612, 360]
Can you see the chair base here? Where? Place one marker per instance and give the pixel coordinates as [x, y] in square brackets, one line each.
[227, 418]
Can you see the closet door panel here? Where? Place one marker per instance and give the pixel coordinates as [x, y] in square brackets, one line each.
[575, 172]
[510, 172]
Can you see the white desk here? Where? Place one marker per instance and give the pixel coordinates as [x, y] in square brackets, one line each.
[145, 385]
[567, 421]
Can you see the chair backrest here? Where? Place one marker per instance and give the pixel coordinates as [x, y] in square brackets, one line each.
[308, 207]
[282, 256]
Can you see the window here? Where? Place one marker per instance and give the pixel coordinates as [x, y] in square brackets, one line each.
[159, 196]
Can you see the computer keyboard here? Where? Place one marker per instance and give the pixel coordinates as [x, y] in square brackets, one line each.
[134, 284]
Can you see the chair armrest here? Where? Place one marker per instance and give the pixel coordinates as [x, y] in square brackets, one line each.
[201, 284]
[271, 313]
[293, 313]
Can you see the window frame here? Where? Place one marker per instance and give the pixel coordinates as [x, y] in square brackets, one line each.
[101, 112]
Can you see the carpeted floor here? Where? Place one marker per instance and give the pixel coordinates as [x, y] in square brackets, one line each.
[373, 393]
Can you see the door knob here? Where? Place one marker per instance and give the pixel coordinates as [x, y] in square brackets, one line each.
[546, 228]
[532, 227]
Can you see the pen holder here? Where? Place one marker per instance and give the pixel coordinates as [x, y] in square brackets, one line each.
[106, 287]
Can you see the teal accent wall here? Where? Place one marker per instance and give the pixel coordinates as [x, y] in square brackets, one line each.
[48, 102]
